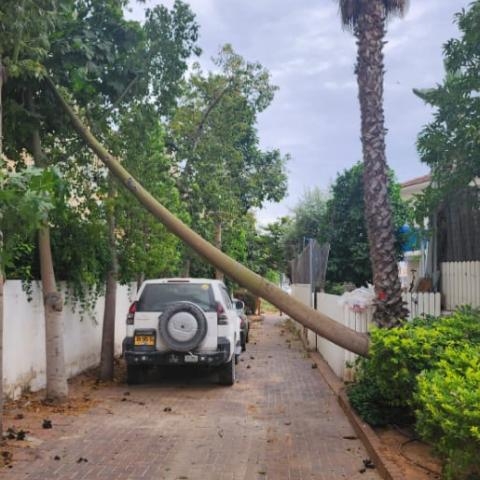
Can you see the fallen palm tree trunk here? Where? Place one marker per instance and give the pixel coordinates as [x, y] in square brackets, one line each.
[317, 322]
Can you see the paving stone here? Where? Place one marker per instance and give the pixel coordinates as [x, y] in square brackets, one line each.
[280, 421]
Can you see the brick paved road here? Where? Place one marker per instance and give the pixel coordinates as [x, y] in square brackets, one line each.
[280, 421]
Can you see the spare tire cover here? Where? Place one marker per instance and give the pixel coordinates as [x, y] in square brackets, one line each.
[182, 326]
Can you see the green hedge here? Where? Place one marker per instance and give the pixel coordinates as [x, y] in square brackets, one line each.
[448, 413]
[401, 381]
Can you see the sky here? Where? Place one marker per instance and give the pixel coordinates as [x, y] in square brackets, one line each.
[315, 115]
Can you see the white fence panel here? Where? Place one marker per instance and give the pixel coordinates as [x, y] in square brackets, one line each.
[420, 304]
[303, 293]
[461, 284]
[333, 354]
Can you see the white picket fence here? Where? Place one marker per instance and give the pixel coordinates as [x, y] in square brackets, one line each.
[461, 284]
[340, 360]
[422, 304]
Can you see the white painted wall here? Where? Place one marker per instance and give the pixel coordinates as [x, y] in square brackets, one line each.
[333, 355]
[338, 358]
[24, 336]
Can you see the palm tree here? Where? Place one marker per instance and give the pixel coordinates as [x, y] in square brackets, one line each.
[314, 320]
[367, 19]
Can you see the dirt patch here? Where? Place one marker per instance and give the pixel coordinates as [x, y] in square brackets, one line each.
[31, 420]
[414, 457]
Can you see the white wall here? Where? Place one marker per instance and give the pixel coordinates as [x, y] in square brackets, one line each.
[24, 336]
[337, 357]
[333, 355]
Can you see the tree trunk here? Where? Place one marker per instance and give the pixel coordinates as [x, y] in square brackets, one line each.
[1, 261]
[370, 33]
[108, 331]
[316, 321]
[218, 243]
[140, 280]
[186, 267]
[57, 387]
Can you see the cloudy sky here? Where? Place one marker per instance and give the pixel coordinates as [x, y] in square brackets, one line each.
[315, 115]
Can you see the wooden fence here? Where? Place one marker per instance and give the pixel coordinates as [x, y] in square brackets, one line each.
[461, 284]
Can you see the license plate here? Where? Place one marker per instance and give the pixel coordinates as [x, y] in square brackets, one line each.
[148, 340]
[191, 358]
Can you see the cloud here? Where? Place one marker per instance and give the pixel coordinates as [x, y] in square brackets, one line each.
[315, 116]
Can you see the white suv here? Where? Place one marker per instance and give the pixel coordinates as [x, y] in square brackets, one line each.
[182, 321]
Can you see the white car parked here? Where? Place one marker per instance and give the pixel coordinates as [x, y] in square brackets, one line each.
[182, 321]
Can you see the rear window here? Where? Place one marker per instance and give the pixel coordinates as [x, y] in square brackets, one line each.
[157, 296]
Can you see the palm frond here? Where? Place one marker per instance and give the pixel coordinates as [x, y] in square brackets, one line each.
[395, 8]
[350, 10]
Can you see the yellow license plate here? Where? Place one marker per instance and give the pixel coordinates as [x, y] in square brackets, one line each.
[148, 340]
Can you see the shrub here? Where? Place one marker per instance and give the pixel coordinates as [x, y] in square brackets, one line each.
[387, 380]
[448, 413]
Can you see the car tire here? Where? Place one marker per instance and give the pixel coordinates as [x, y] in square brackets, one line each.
[227, 374]
[244, 346]
[135, 374]
[178, 316]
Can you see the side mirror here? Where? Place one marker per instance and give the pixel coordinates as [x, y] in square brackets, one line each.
[239, 305]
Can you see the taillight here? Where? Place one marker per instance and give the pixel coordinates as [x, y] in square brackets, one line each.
[222, 318]
[131, 313]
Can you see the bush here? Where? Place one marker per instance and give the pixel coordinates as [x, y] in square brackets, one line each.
[387, 381]
[428, 369]
[448, 413]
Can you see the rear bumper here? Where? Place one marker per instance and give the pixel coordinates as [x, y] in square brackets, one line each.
[143, 356]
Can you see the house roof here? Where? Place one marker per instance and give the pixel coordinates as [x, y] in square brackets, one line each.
[416, 181]
[414, 186]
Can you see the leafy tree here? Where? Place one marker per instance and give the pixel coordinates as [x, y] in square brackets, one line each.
[450, 144]
[308, 221]
[26, 27]
[367, 19]
[24, 205]
[224, 171]
[345, 227]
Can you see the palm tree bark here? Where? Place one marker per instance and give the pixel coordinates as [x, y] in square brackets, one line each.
[370, 32]
[314, 320]
[57, 387]
[108, 329]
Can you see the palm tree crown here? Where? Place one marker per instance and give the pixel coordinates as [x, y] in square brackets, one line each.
[350, 10]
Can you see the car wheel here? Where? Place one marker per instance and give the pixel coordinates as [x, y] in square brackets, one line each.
[226, 374]
[135, 374]
[244, 346]
[182, 326]
[246, 338]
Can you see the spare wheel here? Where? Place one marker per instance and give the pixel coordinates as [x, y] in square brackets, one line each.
[182, 326]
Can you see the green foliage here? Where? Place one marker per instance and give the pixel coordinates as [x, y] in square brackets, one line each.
[123, 76]
[25, 202]
[345, 227]
[145, 246]
[339, 219]
[222, 171]
[387, 380]
[449, 145]
[448, 413]
[308, 221]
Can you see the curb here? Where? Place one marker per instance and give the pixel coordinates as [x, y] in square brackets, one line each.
[375, 448]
